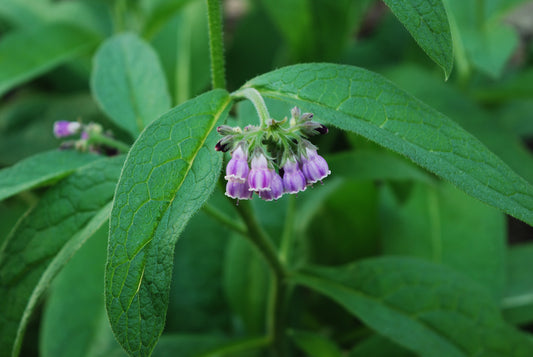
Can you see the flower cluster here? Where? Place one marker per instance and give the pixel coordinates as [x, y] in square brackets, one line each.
[87, 132]
[274, 158]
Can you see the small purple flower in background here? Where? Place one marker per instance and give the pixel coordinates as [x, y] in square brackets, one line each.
[276, 188]
[314, 167]
[238, 190]
[65, 128]
[237, 169]
[260, 175]
[293, 179]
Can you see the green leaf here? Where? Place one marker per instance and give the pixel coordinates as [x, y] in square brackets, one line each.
[483, 124]
[315, 345]
[128, 82]
[450, 228]
[40, 245]
[375, 165]
[424, 307]
[481, 37]
[158, 13]
[169, 173]
[41, 169]
[356, 100]
[517, 302]
[51, 45]
[68, 330]
[428, 24]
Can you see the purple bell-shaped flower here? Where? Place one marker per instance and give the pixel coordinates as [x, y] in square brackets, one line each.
[276, 188]
[314, 167]
[293, 179]
[260, 175]
[237, 169]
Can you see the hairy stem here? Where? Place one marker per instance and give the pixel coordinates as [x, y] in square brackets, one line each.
[224, 219]
[216, 44]
[257, 100]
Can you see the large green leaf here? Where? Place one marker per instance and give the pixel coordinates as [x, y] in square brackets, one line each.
[40, 169]
[128, 82]
[424, 307]
[428, 24]
[39, 246]
[168, 175]
[356, 100]
[25, 54]
[68, 330]
[450, 228]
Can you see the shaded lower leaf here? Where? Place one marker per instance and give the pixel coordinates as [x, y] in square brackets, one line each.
[443, 225]
[357, 100]
[50, 46]
[517, 302]
[378, 346]
[424, 307]
[40, 169]
[40, 245]
[315, 345]
[207, 346]
[68, 330]
[168, 175]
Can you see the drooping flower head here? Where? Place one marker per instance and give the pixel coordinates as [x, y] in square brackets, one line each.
[275, 146]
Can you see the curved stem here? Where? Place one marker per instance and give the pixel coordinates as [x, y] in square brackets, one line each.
[257, 100]
[107, 141]
[216, 44]
[259, 238]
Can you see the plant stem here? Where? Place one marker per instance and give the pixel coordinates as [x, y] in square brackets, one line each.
[102, 139]
[216, 44]
[257, 100]
[224, 219]
[275, 313]
[260, 239]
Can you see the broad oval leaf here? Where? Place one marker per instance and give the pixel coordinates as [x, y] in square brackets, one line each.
[425, 307]
[40, 169]
[39, 246]
[25, 54]
[128, 82]
[427, 22]
[357, 100]
[168, 175]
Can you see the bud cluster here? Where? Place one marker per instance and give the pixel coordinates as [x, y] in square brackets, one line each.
[64, 129]
[272, 159]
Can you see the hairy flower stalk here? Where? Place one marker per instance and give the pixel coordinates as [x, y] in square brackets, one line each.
[92, 138]
[274, 158]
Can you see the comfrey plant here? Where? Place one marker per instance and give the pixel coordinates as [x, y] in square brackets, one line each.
[134, 238]
[282, 159]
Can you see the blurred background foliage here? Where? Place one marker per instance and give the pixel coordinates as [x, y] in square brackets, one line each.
[374, 203]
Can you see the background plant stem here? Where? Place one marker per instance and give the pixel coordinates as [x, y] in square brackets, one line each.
[216, 44]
